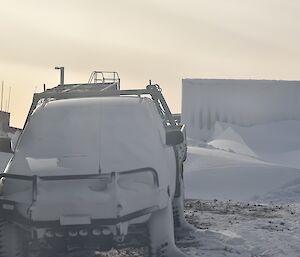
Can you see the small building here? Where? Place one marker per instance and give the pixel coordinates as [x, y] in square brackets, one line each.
[4, 121]
[8, 135]
[5, 127]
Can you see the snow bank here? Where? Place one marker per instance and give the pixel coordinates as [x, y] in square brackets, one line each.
[241, 102]
[217, 174]
[288, 193]
[242, 163]
[276, 142]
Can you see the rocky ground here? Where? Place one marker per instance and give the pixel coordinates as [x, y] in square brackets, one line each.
[233, 229]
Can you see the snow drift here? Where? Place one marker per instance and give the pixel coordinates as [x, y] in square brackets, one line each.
[243, 163]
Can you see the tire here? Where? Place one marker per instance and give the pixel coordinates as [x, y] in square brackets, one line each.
[161, 234]
[12, 242]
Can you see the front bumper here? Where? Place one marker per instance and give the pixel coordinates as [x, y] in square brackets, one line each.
[50, 205]
[113, 216]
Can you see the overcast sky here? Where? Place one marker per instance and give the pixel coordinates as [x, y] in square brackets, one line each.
[162, 40]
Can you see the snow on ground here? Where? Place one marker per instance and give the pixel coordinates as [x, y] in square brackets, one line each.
[233, 229]
[242, 229]
[217, 174]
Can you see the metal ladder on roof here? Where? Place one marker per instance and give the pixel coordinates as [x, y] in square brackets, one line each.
[102, 77]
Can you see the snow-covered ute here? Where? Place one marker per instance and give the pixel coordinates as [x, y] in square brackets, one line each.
[95, 170]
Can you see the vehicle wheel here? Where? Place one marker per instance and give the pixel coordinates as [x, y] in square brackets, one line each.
[11, 240]
[161, 234]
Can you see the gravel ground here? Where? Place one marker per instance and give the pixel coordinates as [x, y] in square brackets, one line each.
[233, 229]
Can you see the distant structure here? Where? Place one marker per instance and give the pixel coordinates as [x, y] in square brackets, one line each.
[239, 102]
[5, 127]
[8, 135]
[4, 121]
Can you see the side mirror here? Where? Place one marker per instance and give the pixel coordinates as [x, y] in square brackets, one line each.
[174, 137]
[5, 145]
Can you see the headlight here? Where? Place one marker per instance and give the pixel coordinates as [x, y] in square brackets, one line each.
[143, 177]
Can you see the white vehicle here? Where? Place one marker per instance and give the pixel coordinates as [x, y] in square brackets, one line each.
[95, 167]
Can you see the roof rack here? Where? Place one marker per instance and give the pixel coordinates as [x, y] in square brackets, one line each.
[105, 89]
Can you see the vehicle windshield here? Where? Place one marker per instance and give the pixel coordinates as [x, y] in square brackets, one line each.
[95, 135]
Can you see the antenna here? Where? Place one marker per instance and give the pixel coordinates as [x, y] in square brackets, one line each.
[8, 99]
[2, 96]
[62, 75]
